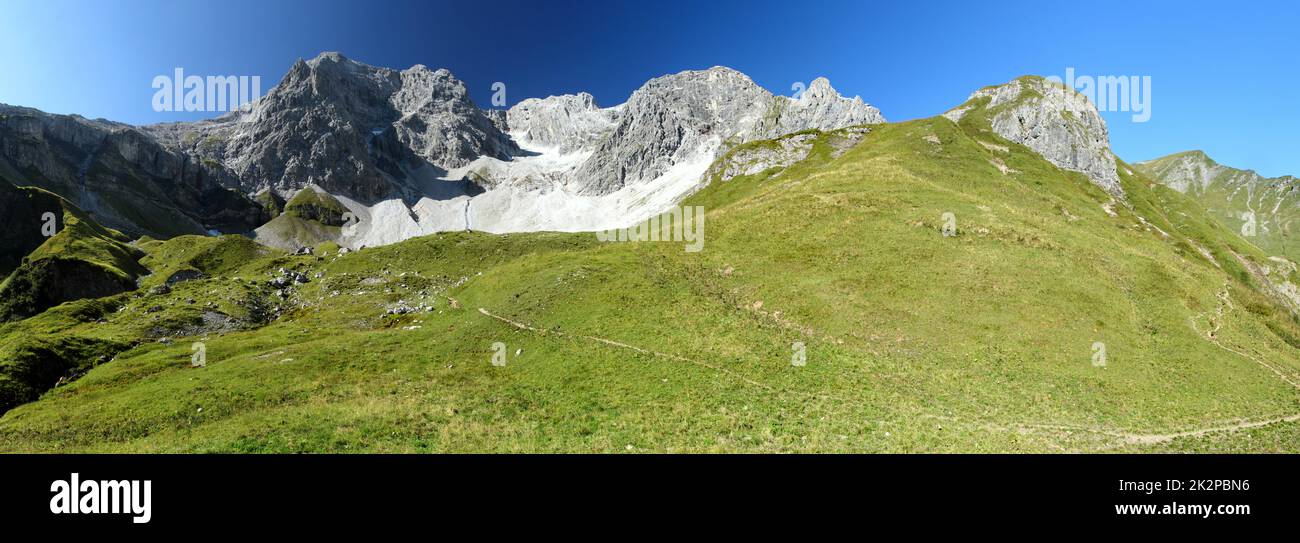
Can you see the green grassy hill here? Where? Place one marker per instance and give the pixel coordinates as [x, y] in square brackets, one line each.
[310, 218]
[986, 340]
[81, 260]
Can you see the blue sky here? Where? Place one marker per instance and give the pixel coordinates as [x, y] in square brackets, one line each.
[1224, 75]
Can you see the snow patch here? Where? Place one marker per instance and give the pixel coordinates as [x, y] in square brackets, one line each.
[526, 194]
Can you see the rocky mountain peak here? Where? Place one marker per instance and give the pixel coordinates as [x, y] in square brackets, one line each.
[413, 143]
[820, 89]
[693, 115]
[821, 106]
[1194, 172]
[351, 128]
[1058, 123]
[569, 122]
[332, 57]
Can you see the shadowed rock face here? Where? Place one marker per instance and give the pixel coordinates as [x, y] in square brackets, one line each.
[37, 363]
[1059, 124]
[81, 259]
[48, 282]
[22, 209]
[123, 177]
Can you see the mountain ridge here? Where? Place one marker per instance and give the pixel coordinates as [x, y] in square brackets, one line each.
[411, 147]
[1263, 209]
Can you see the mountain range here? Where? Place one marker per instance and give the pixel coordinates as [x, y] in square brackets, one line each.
[409, 154]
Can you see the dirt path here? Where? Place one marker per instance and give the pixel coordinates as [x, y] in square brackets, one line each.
[1125, 437]
[1211, 335]
[1152, 439]
[621, 345]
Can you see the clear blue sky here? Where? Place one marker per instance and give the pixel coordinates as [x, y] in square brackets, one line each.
[1224, 75]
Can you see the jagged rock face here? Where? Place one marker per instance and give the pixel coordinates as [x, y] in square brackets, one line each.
[680, 117]
[124, 178]
[1236, 197]
[349, 128]
[821, 107]
[1059, 124]
[668, 120]
[499, 119]
[569, 123]
[440, 122]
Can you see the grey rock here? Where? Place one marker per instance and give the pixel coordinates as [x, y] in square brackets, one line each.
[181, 276]
[1060, 124]
[499, 119]
[780, 153]
[569, 123]
[347, 127]
[678, 117]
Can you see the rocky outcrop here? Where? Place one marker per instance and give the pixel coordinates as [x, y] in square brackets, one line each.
[1060, 124]
[753, 159]
[675, 118]
[567, 123]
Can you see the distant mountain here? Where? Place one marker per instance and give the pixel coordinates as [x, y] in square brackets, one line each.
[1236, 197]
[121, 175]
